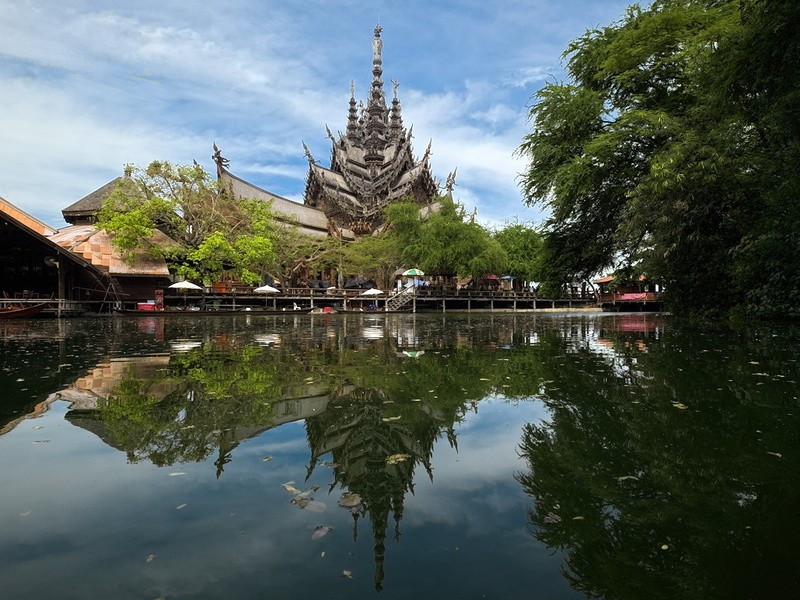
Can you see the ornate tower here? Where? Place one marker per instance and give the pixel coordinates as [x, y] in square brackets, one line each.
[372, 164]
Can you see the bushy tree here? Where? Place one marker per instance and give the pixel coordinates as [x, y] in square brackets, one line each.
[445, 241]
[213, 232]
[675, 145]
[523, 247]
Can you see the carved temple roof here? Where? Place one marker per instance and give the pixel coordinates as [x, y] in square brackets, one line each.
[372, 163]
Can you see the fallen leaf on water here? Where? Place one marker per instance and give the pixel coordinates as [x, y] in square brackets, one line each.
[316, 506]
[397, 418]
[181, 506]
[679, 405]
[177, 474]
[266, 459]
[624, 477]
[290, 488]
[322, 555]
[396, 458]
[26, 513]
[348, 574]
[314, 488]
[578, 518]
[349, 500]
[301, 502]
[664, 546]
[416, 399]
[552, 517]
[150, 558]
[321, 531]
[778, 454]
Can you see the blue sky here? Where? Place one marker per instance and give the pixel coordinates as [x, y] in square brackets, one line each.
[88, 86]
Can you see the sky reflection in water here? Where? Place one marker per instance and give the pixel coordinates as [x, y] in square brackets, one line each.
[547, 456]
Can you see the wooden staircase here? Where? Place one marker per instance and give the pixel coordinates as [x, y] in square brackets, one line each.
[400, 299]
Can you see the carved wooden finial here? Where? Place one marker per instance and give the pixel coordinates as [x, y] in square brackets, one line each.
[221, 161]
[308, 154]
[451, 181]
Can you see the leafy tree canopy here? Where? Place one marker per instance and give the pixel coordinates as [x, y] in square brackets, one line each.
[674, 146]
[213, 232]
[446, 241]
[523, 247]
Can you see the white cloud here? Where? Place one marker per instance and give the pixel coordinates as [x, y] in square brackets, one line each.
[87, 86]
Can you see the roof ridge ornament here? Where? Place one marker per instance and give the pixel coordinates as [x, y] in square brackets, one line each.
[308, 154]
[221, 161]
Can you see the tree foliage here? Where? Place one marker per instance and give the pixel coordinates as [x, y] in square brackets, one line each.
[445, 241]
[523, 248]
[674, 146]
[213, 232]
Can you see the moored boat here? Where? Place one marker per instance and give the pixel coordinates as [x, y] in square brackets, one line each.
[22, 312]
[210, 313]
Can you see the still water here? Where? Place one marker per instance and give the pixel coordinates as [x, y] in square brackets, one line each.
[427, 456]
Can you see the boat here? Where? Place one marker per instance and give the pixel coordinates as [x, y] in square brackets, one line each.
[22, 312]
[357, 311]
[210, 313]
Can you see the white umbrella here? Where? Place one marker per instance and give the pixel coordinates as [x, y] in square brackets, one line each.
[266, 289]
[185, 285]
[371, 292]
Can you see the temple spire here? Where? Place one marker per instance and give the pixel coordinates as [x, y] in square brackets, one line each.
[376, 107]
[396, 120]
[352, 116]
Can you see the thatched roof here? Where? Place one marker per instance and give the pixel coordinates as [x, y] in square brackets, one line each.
[87, 207]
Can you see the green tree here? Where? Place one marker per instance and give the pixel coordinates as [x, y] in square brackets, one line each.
[445, 241]
[674, 146]
[213, 232]
[523, 246]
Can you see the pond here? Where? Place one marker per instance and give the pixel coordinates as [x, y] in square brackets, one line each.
[448, 456]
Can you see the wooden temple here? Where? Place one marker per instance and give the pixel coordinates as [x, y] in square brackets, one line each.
[372, 163]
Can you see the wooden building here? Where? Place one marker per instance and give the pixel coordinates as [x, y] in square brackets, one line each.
[372, 164]
[76, 265]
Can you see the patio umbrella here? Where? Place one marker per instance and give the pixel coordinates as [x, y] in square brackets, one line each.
[185, 286]
[413, 273]
[267, 289]
[371, 292]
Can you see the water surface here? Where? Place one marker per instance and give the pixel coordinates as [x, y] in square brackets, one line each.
[491, 456]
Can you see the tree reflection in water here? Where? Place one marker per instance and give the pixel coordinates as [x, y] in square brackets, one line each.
[667, 468]
[664, 476]
[362, 401]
